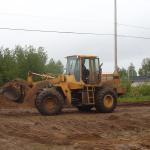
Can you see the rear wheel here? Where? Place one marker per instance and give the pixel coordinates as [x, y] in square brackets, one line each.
[49, 102]
[85, 108]
[106, 100]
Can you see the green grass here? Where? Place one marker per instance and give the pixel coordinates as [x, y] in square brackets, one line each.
[134, 99]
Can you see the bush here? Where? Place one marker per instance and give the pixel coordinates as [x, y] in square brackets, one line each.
[136, 91]
[127, 86]
[141, 90]
[144, 90]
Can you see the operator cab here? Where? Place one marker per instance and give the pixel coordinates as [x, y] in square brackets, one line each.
[84, 68]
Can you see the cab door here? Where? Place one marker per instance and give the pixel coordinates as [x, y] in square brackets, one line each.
[90, 67]
[94, 71]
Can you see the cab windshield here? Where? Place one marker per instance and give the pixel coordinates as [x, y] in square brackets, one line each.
[73, 67]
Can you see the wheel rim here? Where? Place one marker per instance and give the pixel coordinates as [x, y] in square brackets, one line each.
[50, 103]
[108, 101]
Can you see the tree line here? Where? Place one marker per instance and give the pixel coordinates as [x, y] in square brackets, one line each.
[131, 72]
[17, 62]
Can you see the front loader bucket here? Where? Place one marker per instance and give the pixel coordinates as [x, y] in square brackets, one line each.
[15, 90]
[21, 91]
[12, 93]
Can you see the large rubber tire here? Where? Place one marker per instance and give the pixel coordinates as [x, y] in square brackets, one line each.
[49, 97]
[106, 100]
[85, 108]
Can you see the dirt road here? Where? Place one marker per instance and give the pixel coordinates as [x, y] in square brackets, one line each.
[128, 128]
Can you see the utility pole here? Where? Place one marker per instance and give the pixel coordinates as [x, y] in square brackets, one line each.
[115, 37]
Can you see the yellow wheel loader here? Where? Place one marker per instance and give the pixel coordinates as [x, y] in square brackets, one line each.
[83, 86]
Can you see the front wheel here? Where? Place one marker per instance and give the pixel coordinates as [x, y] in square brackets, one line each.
[49, 102]
[106, 100]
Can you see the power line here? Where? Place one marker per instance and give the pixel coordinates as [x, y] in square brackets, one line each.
[53, 31]
[132, 36]
[134, 26]
[71, 32]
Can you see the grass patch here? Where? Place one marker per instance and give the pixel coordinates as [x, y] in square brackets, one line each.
[134, 99]
[137, 93]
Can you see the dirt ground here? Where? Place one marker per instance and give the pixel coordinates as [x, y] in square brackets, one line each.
[23, 128]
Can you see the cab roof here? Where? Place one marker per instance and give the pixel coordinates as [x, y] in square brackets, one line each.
[84, 56]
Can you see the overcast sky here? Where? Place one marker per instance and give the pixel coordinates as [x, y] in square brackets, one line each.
[78, 16]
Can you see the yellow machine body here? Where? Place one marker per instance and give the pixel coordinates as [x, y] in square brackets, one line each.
[67, 82]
